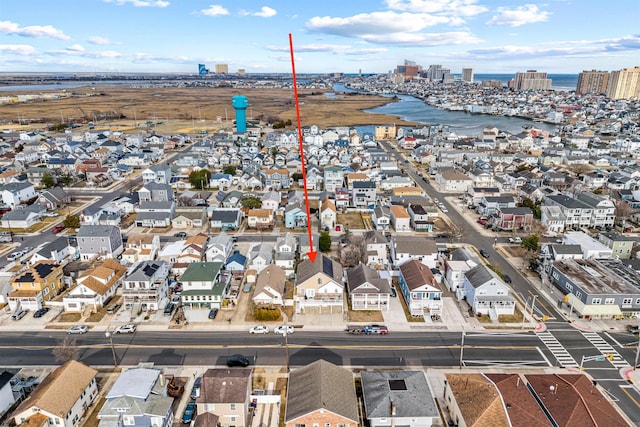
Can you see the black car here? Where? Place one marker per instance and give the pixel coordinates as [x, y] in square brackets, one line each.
[213, 313]
[507, 278]
[180, 234]
[168, 310]
[41, 312]
[484, 253]
[237, 360]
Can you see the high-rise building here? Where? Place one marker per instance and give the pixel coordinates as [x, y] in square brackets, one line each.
[592, 82]
[408, 71]
[467, 75]
[436, 73]
[624, 84]
[531, 80]
[241, 71]
[222, 69]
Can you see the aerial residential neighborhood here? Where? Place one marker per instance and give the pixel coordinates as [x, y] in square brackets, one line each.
[198, 278]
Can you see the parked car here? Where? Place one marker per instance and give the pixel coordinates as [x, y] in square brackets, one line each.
[283, 329]
[507, 278]
[57, 229]
[482, 221]
[213, 313]
[195, 390]
[376, 329]
[484, 253]
[635, 330]
[14, 256]
[41, 312]
[27, 249]
[114, 308]
[237, 360]
[180, 234]
[19, 313]
[78, 329]
[393, 292]
[259, 329]
[168, 310]
[515, 240]
[189, 413]
[126, 329]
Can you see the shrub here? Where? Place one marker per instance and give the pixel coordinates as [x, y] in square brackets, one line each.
[266, 314]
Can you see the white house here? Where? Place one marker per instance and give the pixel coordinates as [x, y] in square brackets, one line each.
[486, 293]
[15, 193]
[270, 286]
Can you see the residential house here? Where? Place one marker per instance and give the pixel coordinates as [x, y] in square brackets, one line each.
[270, 286]
[363, 194]
[62, 399]
[620, 245]
[591, 248]
[7, 399]
[328, 214]
[159, 173]
[377, 249]
[156, 205]
[486, 293]
[55, 250]
[420, 290]
[141, 247]
[260, 218]
[459, 262]
[419, 218]
[187, 218]
[219, 247]
[94, 287]
[23, 218]
[489, 205]
[276, 179]
[225, 394]
[404, 248]
[333, 178]
[236, 264]
[39, 284]
[400, 219]
[342, 198]
[381, 218]
[220, 181]
[367, 290]
[514, 219]
[260, 256]
[322, 394]
[54, 198]
[577, 214]
[304, 246]
[295, 216]
[138, 397]
[453, 181]
[204, 285]
[145, 286]
[319, 285]
[285, 252]
[552, 218]
[16, 193]
[99, 240]
[271, 200]
[398, 397]
[225, 218]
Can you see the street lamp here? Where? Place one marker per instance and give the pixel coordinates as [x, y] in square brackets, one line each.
[109, 335]
[461, 349]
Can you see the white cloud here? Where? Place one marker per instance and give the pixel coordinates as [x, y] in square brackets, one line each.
[79, 51]
[375, 23]
[265, 12]
[522, 15]
[453, 7]
[38, 31]
[76, 48]
[98, 40]
[214, 10]
[141, 3]
[18, 49]
[331, 48]
[424, 39]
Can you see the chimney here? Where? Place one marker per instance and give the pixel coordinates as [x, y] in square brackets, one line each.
[162, 379]
[393, 409]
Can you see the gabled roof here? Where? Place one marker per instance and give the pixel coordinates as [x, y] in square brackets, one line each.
[478, 399]
[58, 393]
[361, 274]
[225, 386]
[323, 264]
[416, 275]
[272, 276]
[321, 386]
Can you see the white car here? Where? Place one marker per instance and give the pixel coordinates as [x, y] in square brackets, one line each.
[79, 329]
[126, 329]
[515, 240]
[283, 329]
[259, 329]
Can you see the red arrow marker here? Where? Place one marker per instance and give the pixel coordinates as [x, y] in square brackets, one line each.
[311, 254]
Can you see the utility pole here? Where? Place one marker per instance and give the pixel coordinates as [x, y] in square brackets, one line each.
[635, 363]
[109, 335]
[461, 349]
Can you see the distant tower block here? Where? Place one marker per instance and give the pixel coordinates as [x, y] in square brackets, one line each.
[240, 103]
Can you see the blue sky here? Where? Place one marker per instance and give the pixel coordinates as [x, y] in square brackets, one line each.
[556, 36]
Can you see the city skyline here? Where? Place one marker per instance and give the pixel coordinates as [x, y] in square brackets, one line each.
[168, 36]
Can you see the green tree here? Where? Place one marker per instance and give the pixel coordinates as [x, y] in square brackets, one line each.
[72, 221]
[325, 242]
[296, 176]
[230, 170]
[274, 151]
[200, 179]
[47, 180]
[531, 243]
[250, 202]
[66, 180]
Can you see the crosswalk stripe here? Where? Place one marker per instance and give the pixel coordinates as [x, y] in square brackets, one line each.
[559, 352]
[605, 348]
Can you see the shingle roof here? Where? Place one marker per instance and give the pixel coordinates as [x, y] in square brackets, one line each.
[323, 264]
[478, 400]
[407, 391]
[225, 386]
[321, 386]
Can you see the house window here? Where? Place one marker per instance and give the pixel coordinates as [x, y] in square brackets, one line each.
[609, 301]
[637, 300]
[626, 301]
[569, 287]
[233, 406]
[596, 301]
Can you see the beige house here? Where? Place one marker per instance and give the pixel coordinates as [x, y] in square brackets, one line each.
[328, 214]
[260, 218]
[95, 286]
[400, 219]
[141, 247]
[61, 399]
[270, 286]
[225, 394]
[319, 285]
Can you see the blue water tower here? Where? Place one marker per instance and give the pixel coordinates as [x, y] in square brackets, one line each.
[240, 103]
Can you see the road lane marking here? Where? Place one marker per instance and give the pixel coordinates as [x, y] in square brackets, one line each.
[624, 389]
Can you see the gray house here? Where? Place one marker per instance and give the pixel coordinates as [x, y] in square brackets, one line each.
[99, 240]
[363, 194]
[401, 398]
[146, 286]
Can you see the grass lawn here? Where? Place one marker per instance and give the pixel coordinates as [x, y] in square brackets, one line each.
[351, 221]
[68, 317]
[371, 316]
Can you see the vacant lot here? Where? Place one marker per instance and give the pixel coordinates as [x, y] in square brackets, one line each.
[194, 109]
